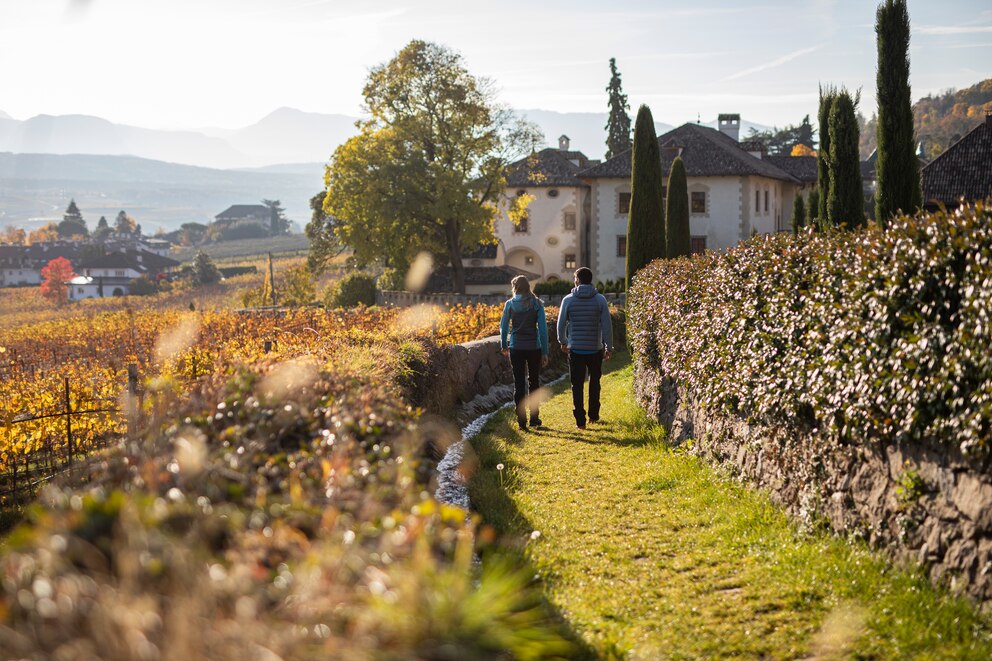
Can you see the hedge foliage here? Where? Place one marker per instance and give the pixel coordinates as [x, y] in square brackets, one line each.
[351, 290]
[860, 336]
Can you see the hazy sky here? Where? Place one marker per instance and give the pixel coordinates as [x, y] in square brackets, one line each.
[227, 63]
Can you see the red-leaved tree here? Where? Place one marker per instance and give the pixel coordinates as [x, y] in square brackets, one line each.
[54, 277]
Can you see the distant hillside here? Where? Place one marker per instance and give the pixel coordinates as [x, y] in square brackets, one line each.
[288, 135]
[39, 186]
[941, 120]
[83, 134]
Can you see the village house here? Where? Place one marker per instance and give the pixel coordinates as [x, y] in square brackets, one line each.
[20, 266]
[962, 172]
[579, 213]
[245, 213]
[553, 239]
[114, 273]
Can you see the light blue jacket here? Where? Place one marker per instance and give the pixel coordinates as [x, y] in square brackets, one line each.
[529, 325]
[584, 321]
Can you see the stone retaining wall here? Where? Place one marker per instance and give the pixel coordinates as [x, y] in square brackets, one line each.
[455, 374]
[925, 502]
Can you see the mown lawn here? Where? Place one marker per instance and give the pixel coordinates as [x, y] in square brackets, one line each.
[648, 553]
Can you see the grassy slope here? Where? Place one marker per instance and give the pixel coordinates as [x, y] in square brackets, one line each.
[241, 249]
[649, 553]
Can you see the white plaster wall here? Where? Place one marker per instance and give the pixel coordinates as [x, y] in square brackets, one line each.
[92, 290]
[112, 273]
[729, 217]
[607, 224]
[722, 221]
[15, 277]
[546, 241]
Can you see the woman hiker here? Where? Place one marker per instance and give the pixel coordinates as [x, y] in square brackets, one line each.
[524, 321]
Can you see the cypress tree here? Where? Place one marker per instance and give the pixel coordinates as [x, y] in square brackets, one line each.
[898, 168]
[646, 222]
[827, 96]
[845, 201]
[73, 214]
[798, 214]
[813, 207]
[677, 213]
[618, 124]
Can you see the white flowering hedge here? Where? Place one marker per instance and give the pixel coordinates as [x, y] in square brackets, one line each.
[860, 336]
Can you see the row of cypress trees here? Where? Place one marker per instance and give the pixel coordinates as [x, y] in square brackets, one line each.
[897, 170]
[652, 230]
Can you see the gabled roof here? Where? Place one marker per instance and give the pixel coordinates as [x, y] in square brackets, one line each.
[964, 170]
[243, 210]
[140, 261]
[706, 152]
[37, 255]
[548, 167]
[803, 168]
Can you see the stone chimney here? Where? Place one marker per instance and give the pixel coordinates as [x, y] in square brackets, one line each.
[563, 142]
[730, 124]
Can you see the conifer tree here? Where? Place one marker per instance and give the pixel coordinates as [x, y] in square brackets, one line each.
[72, 224]
[827, 96]
[813, 207]
[798, 214]
[204, 270]
[897, 168]
[618, 124]
[646, 221]
[72, 212]
[677, 232]
[845, 201]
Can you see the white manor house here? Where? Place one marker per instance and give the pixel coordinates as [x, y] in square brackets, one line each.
[579, 213]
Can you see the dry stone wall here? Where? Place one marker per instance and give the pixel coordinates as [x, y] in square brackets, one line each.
[925, 501]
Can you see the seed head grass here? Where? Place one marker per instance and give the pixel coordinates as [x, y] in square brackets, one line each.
[647, 552]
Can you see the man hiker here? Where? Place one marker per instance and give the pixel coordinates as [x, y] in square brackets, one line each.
[586, 336]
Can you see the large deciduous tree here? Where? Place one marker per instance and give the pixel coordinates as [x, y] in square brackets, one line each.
[426, 170]
[646, 221]
[125, 223]
[677, 214]
[618, 123]
[846, 201]
[54, 278]
[324, 242]
[897, 168]
[49, 232]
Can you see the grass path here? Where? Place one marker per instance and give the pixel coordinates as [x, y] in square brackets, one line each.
[648, 554]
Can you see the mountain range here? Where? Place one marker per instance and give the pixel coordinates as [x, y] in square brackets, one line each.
[165, 178]
[285, 135]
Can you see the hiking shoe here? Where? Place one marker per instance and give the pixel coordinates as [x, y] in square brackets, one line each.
[591, 419]
[522, 425]
[536, 422]
[580, 425]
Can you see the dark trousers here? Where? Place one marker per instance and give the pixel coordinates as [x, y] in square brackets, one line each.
[578, 365]
[526, 365]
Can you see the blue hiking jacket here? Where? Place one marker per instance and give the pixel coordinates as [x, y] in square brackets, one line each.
[584, 321]
[529, 328]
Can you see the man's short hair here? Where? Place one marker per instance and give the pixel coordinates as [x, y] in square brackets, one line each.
[584, 274]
